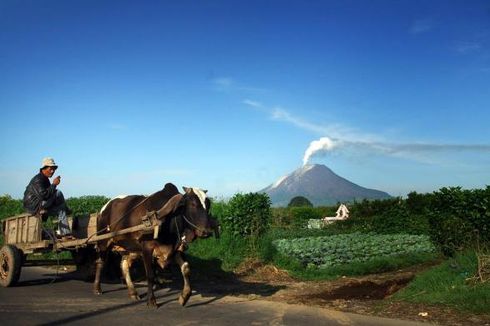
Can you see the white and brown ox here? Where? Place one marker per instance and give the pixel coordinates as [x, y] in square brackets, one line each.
[183, 217]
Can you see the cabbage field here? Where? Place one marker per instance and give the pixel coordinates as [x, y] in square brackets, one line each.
[335, 250]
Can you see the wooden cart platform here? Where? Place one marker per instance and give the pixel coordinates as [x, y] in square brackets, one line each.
[24, 234]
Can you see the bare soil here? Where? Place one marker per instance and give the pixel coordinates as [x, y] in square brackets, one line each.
[368, 295]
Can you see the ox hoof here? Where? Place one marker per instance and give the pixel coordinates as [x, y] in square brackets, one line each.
[152, 303]
[135, 297]
[97, 291]
[183, 300]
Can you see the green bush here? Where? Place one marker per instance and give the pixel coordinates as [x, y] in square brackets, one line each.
[248, 214]
[86, 204]
[300, 201]
[9, 206]
[456, 215]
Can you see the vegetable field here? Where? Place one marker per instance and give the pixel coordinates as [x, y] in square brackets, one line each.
[329, 251]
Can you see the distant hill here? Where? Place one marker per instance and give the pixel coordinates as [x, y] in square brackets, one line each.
[320, 185]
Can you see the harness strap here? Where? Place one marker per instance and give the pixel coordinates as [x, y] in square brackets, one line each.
[192, 224]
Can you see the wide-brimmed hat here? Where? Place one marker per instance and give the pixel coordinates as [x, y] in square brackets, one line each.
[48, 161]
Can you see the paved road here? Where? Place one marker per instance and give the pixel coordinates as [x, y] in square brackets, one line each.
[38, 300]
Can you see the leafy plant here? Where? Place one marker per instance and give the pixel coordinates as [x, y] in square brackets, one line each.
[248, 214]
[329, 251]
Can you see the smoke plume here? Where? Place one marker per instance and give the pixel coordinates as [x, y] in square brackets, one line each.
[414, 151]
[316, 147]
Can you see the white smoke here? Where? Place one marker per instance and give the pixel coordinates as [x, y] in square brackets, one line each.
[414, 151]
[319, 146]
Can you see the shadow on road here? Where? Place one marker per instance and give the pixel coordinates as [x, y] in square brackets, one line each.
[208, 279]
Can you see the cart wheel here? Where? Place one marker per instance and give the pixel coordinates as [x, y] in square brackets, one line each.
[10, 265]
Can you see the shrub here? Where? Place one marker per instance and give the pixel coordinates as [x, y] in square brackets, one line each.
[248, 214]
[455, 216]
[86, 204]
[300, 201]
[9, 206]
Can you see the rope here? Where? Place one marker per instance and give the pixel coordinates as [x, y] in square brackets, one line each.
[53, 238]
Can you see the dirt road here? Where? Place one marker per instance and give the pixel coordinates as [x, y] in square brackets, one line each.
[44, 298]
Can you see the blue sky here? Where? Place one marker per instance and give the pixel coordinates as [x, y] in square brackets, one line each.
[228, 95]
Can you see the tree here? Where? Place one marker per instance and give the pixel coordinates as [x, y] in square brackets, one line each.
[300, 201]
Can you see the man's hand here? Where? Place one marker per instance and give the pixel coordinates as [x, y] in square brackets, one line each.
[57, 180]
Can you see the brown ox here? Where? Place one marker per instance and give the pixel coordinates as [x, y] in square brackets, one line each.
[183, 217]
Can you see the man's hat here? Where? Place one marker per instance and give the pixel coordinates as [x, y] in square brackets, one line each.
[48, 161]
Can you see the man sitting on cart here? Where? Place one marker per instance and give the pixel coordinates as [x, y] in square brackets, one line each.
[43, 199]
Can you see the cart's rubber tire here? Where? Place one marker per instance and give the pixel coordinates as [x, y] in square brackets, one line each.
[10, 265]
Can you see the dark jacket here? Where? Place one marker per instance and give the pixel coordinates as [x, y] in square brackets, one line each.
[38, 189]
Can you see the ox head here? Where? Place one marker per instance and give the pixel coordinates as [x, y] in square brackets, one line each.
[194, 207]
[196, 211]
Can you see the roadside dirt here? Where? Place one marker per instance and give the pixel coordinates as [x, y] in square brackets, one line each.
[368, 295]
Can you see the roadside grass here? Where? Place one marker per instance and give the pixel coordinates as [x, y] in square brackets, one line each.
[213, 256]
[447, 284]
[228, 250]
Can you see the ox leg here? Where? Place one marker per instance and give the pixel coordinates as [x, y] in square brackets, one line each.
[186, 271]
[150, 276]
[99, 266]
[126, 263]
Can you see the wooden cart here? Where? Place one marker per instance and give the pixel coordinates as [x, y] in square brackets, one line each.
[24, 234]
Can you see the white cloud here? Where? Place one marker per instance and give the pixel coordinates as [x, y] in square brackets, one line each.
[421, 26]
[254, 104]
[467, 47]
[344, 139]
[229, 84]
[117, 126]
[224, 82]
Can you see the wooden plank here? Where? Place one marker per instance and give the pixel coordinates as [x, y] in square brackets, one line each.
[113, 234]
[35, 245]
[70, 244]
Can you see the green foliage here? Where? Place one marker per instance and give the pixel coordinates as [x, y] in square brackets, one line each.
[376, 265]
[248, 215]
[79, 205]
[446, 284]
[300, 201]
[301, 215]
[283, 217]
[10, 207]
[86, 204]
[229, 249]
[456, 215]
[336, 250]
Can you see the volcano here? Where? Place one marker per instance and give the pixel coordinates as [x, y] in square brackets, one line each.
[320, 185]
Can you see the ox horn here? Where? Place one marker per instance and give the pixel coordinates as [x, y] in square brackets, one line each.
[170, 206]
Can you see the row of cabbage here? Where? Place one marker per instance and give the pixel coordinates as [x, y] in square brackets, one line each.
[329, 251]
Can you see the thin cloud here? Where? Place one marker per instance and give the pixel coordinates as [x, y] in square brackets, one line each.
[223, 82]
[467, 47]
[254, 104]
[229, 84]
[421, 26]
[336, 130]
[343, 139]
[117, 126]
